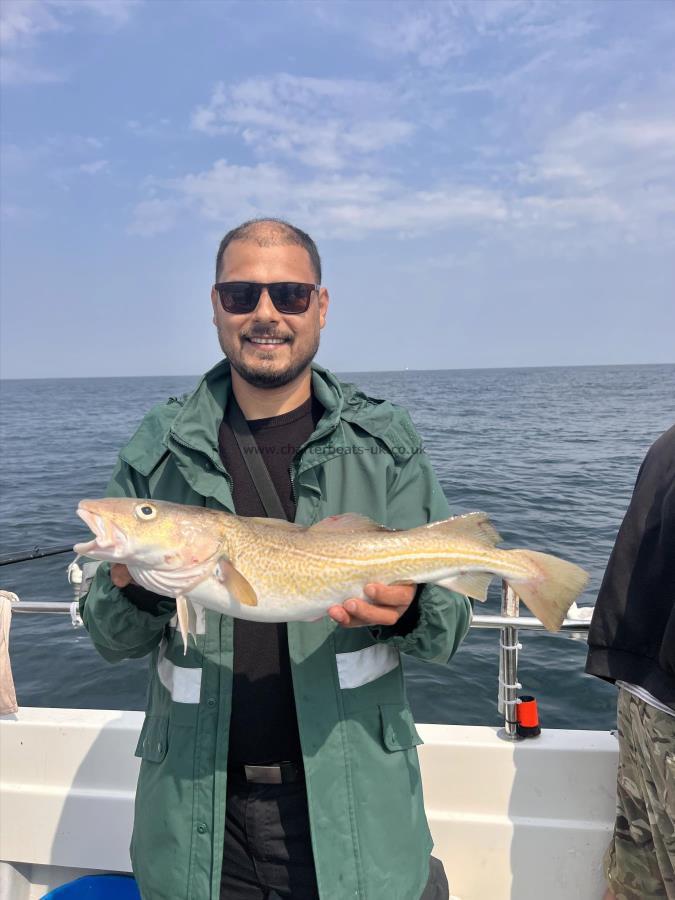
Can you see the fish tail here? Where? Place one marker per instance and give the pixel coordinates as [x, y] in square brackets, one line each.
[551, 591]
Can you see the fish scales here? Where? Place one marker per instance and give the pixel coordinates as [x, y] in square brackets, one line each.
[310, 563]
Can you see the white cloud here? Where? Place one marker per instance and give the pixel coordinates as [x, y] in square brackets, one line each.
[93, 168]
[18, 214]
[603, 179]
[150, 128]
[613, 167]
[532, 21]
[21, 21]
[336, 204]
[16, 71]
[116, 12]
[322, 123]
[58, 160]
[16, 159]
[25, 23]
[435, 33]
[432, 33]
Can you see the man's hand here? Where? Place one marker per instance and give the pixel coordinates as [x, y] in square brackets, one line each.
[390, 601]
[119, 575]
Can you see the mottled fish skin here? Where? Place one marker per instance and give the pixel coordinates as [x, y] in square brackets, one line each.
[275, 571]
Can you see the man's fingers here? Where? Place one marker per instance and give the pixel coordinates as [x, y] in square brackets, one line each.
[357, 613]
[363, 613]
[388, 603]
[119, 575]
[391, 594]
[340, 615]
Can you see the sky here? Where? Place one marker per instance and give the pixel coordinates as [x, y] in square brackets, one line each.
[489, 183]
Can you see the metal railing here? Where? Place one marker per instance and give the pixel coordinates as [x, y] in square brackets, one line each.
[41, 606]
[526, 623]
[509, 624]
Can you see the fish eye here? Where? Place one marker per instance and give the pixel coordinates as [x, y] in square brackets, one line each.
[145, 512]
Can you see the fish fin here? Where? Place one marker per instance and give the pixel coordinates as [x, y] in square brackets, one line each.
[349, 522]
[473, 584]
[275, 523]
[183, 613]
[192, 619]
[550, 594]
[475, 526]
[234, 581]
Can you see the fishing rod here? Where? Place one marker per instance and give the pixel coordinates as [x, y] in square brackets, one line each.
[35, 553]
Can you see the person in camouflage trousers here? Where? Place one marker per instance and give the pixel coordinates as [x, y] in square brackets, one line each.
[631, 642]
[645, 804]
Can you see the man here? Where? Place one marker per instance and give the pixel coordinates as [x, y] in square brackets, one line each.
[280, 758]
[632, 643]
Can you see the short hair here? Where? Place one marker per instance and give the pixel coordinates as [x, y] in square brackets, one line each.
[279, 232]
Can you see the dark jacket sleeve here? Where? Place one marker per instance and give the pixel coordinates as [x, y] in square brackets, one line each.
[632, 633]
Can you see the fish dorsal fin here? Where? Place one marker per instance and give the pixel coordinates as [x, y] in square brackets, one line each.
[474, 526]
[348, 523]
[275, 523]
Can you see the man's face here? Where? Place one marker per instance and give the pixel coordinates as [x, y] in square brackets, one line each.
[269, 364]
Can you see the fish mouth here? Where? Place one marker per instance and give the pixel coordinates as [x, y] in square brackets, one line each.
[109, 540]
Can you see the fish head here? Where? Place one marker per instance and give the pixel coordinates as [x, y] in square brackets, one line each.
[150, 533]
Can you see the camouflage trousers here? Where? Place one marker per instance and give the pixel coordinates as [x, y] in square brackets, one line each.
[640, 860]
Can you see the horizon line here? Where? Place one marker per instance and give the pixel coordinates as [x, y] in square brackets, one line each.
[352, 371]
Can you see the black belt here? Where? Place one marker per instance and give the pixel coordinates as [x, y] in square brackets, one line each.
[281, 773]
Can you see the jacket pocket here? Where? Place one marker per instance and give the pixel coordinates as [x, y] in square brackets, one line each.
[398, 727]
[153, 741]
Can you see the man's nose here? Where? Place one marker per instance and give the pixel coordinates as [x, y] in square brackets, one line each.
[265, 311]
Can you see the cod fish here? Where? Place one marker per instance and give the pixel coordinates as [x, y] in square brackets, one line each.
[271, 570]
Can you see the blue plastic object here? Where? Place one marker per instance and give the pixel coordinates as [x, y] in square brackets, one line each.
[97, 887]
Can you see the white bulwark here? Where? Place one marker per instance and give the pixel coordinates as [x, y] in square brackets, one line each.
[510, 821]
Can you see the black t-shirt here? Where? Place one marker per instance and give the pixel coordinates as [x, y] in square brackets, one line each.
[263, 724]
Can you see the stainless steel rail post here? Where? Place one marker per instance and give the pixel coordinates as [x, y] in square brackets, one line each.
[508, 666]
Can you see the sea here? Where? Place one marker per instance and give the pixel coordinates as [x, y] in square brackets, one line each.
[550, 453]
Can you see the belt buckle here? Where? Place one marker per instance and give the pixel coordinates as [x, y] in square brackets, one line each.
[263, 774]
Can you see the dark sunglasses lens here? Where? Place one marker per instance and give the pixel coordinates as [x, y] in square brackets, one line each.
[291, 298]
[239, 296]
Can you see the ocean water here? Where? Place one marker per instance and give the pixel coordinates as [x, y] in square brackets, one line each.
[551, 454]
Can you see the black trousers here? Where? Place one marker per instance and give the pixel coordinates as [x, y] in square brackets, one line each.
[268, 851]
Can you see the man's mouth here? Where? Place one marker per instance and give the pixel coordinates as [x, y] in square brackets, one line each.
[264, 341]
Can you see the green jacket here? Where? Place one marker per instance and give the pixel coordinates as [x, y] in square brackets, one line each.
[368, 827]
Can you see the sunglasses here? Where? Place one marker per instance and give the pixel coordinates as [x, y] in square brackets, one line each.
[289, 297]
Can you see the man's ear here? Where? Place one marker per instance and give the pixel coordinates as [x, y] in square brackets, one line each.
[215, 300]
[324, 300]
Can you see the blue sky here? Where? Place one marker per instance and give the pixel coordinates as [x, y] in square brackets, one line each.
[489, 183]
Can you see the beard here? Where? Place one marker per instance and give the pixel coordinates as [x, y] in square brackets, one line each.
[262, 377]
